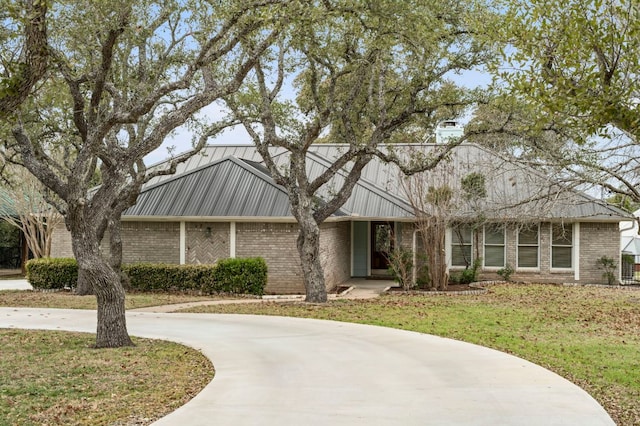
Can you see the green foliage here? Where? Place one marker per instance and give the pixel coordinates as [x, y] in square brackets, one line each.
[623, 202]
[239, 276]
[473, 186]
[468, 276]
[609, 266]
[166, 278]
[506, 272]
[247, 275]
[575, 65]
[52, 273]
[581, 63]
[401, 267]
[9, 235]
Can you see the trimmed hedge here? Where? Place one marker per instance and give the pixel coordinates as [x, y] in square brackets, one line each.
[165, 277]
[248, 275]
[238, 276]
[52, 273]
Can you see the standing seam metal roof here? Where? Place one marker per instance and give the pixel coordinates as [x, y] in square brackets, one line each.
[225, 187]
[245, 189]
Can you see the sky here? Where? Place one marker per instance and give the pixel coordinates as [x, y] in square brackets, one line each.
[181, 140]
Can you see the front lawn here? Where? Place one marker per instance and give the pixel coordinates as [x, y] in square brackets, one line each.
[589, 335]
[68, 300]
[56, 378]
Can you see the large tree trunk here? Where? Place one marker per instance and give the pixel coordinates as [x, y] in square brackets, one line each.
[83, 286]
[115, 249]
[309, 249]
[105, 282]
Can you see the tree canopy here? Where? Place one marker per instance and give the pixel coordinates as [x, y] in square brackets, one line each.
[364, 74]
[572, 72]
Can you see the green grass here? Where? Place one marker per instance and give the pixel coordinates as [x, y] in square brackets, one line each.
[68, 300]
[56, 378]
[589, 335]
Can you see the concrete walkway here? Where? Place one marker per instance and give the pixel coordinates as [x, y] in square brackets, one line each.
[15, 284]
[291, 371]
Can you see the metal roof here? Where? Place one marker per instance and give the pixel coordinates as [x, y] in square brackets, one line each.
[244, 189]
[225, 187]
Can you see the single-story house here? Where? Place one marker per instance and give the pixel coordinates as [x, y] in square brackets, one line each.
[223, 203]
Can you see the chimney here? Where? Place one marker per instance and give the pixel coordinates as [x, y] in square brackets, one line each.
[447, 130]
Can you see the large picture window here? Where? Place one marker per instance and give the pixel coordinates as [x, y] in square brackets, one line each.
[528, 247]
[461, 246]
[561, 246]
[494, 246]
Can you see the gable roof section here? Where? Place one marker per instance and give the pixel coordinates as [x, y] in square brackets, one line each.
[226, 187]
[367, 199]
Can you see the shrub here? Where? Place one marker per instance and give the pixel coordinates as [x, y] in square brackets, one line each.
[506, 272]
[469, 275]
[609, 266]
[52, 273]
[227, 276]
[247, 275]
[164, 277]
[401, 267]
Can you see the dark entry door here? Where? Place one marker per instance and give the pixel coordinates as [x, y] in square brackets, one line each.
[381, 245]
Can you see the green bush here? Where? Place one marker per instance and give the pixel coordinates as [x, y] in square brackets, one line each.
[239, 276]
[165, 277]
[609, 265]
[401, 267]
[506, 272]
[50, 273]
[468, 276]
[248, 275]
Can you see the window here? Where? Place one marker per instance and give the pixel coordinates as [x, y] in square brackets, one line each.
[494, 246]
[461, 245]
[528, 246]
[561, 246]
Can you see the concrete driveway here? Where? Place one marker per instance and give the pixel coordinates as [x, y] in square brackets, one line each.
[289, 371]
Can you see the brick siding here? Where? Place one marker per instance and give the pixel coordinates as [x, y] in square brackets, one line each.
[61, 242]
[597, 240]
[152, 242]
[276, 243]
[206, 242]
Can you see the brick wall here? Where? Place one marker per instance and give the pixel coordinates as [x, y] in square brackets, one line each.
[153, 242]
[597, 240]
[206, 242]
[61, 242]
[335, 252]
[276, 243]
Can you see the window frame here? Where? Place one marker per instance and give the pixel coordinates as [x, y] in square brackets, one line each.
[452, 244]
[570, 226]
[503, 245]
[537, 245]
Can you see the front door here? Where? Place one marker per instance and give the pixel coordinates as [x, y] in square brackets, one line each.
[381, 246]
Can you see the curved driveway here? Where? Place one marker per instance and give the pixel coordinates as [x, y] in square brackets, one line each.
[290, 371]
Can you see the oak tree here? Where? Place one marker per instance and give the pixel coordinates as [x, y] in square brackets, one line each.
[574, 65]
[122, 76]
[363, 74]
